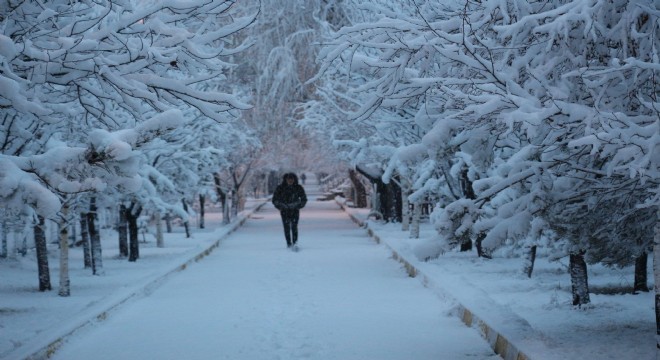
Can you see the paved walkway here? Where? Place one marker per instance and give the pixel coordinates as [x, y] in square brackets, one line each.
[340, 297]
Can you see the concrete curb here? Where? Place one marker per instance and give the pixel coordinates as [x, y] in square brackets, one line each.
[45, 348]
[498, 342]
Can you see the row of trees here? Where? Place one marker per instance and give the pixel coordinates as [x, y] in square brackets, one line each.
[524, 123]
[121, 105]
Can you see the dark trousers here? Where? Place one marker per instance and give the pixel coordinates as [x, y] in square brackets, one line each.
[290, 222]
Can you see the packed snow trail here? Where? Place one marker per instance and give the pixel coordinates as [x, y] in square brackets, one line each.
[340, 297]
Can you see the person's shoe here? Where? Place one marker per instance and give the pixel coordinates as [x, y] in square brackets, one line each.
[295, 248]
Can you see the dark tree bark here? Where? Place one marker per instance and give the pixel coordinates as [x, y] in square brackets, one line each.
[641, 274]
[579, 279]
[84, 239]
[481, 252]
[468, 193]
[132, 215]
[122, 230]
[530, 258]
[389, 196]
[202, 201]
[65, 281]
[95, 239]
[42, 255]
[186, 224]
[222, 196]
[360, 191]
[5, 234]
[168, 223]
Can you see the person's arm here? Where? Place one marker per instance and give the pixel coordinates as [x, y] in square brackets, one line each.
[303, 198]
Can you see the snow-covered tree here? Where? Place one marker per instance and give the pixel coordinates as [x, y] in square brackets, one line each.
[515, 105]
[86, 84]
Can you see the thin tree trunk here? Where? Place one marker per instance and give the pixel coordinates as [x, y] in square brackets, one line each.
[226, 216]
[530, 259]
[168, 223]
[234, 203]
[186, 223]
[65, 285]
[656, 281]
[42, 255]
[202, 201]
[641, 273]
[468, 193]
[222, 196]
[84, 236]
[405, 212]
[5, 235]
[122, 230]
[579, 279]
[360, 200]
[160, 241]
[95, 239]
[134, 246]
[21, 244]
[417, 215]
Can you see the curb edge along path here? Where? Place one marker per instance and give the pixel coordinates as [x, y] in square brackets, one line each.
[497, 341]
[43, 348]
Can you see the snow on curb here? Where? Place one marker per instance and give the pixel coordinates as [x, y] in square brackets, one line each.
[44, 347]
[497, 340]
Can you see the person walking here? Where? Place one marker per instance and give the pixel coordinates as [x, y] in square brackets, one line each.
[289, 198]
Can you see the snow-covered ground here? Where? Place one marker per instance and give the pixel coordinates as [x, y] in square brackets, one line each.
[341, 297]
[536, 314]
[30, 320]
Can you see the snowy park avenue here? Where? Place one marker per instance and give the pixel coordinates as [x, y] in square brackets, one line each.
[499, 161]
[340, 298]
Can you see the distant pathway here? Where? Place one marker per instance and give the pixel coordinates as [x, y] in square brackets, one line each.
[340, 297]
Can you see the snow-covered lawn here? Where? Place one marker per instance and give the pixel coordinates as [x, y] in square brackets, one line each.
[536, 314]
[30, 320]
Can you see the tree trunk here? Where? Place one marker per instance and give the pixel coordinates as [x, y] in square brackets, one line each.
[168, 223]
[65, 285]
[134, 246]
[160, 241]
[641, 273]
[530, 258]
[392, 202]
[42, 255]
[122, 230]
[466, 243]
[222, 196]
[95, 239]
[84, 238]
[186, 223]
[405, 212]
[5, 235]
[360, 200]
[389, 197]
[579, 279]
[417, 214]
[202, 201]
[21, 244]
[656, 281]
[234, 203]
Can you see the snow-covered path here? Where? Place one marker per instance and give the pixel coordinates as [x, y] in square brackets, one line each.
[340, 297]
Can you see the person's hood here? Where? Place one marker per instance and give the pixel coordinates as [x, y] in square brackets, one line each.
[290, 174]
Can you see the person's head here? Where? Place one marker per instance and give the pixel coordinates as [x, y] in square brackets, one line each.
[290, 179]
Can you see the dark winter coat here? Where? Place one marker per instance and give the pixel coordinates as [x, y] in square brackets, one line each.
[289, 197]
